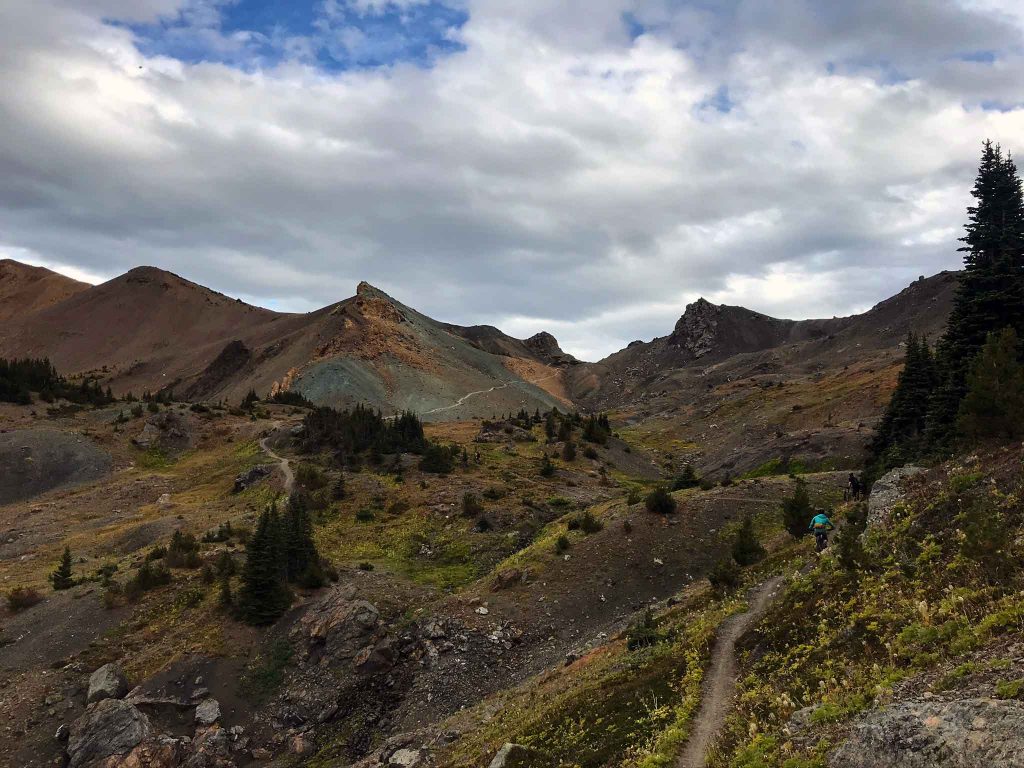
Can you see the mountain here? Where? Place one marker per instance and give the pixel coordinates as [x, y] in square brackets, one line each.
[730, 389]
[25, 289]
[150, 330]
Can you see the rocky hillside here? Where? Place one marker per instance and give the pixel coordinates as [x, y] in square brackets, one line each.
[152, 330]
[25, 289]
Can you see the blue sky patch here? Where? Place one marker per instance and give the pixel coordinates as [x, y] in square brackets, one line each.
[335, 35]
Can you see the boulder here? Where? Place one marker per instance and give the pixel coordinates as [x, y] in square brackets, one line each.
[110, 727]
[250, 477]
[166, 431]
[211, 748]
[967, 733]
[886, 493]
[107, 682]
[207, 712]
[337, 627]
[376, 658]
[405, 758]
[508, 578]
[513, 756]
[159, 752]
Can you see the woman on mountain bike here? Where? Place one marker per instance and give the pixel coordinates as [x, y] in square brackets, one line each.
[821, 525]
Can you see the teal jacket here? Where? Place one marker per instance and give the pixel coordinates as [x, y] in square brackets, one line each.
[821, 521]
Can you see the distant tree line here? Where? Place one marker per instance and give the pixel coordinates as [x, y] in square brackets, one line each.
[20, 378]
[970, 388]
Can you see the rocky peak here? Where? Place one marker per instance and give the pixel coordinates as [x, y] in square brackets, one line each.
[374, 303]
[697, 329]
[545, 346]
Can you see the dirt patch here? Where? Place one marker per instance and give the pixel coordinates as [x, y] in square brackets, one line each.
[33, 461]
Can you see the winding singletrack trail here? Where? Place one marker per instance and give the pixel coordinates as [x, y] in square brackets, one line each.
[466, 397]
[720, 680]
[283, 463]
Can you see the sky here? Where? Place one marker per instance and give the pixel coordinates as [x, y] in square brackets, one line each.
[585, 167]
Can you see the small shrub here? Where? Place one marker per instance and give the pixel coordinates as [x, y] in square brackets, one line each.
[642, 633]
[471, 506]
[364, 515]
[725, 575]
[562, 544]
[365, 566]
[686, 479]
[158, 552]
[588, 523]
[183, 551]
[21, 598]
[483, 525]
[590, 453]
[634, 496]
[437, 459]
[1010, 689]
[148, 577]
[547, 469]
[746, 549]
[494, 493]
[569, 452]
[660, 501]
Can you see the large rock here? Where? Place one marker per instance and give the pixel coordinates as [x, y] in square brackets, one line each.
[159, 752]
[513, 756]
[337, 627]
[207, 712]
[111, 727]
[211, 748]
[969, 733]
[107, 682]
[166, 431]
[886, 493]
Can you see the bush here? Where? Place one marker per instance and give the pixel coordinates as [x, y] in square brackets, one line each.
[547, 469]
[364, 515]
[365, 566]
[746, 549]
[158, 552]
[569, 452]
[588, 523]
[471, 506]
[643, 632]
[686, 479]
[589, 452]
[437, 460]
[183, 551]
[562, 544]
[20, 598]
[494, 493]
[849, 548]
[796, 511]
[660, 501]
[725, 574]
[148, 577]
[634, 496]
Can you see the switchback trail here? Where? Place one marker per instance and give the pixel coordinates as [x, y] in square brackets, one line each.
[286, 467]
[466, 397]
[720, 681]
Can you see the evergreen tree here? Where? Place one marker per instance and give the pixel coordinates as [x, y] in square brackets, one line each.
[547, 469]
[746, 549]
[62, 577]
[993, 407]
[264, 594]
[301, 556]
[686, 479]
[569, 451]
[224, 596]
[901, 430]
[991, 292]
[796, 511]
[550, 426]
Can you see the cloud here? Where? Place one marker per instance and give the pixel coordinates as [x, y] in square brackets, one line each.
[581, 167]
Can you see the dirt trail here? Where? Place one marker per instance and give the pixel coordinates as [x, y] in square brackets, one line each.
[285, 464]
[466, 397]
[720, 680]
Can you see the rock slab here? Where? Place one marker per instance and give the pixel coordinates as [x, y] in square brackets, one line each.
[107, 682]
[968, 733]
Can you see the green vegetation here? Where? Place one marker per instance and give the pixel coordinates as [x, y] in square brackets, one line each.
[993, 407]
[746, 549]
[20, 378]
[264, 676]
[660, 501]
[264, 595]
[361, 429]
[942, 581]
[63, 577]
[797, 511]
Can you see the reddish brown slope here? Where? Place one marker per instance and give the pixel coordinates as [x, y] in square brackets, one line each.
[25, 289]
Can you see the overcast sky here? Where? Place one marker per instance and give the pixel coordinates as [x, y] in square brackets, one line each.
[585, 167]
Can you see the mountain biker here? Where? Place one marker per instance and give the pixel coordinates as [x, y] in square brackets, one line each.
[821, 525]
[854, 485]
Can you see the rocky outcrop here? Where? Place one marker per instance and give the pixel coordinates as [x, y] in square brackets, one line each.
[503, 432]
[337, 627]
[696, 330]
[250, 477]
[969, 733]
[109, 728]
[166, 431]
[207, 712]
[545, 347]
[886, 493]
[107, 682]
[513, 756]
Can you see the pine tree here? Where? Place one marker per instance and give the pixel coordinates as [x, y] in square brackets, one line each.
[62, 577]
[301, 556]
[686, 479]
[993, 407]
[746, 549]
[550, 426]
[796, 511]
[264, 595]
[900, 432]
[991, 292]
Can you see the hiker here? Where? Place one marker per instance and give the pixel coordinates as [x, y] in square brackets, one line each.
[854, 487]
[821, 525]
